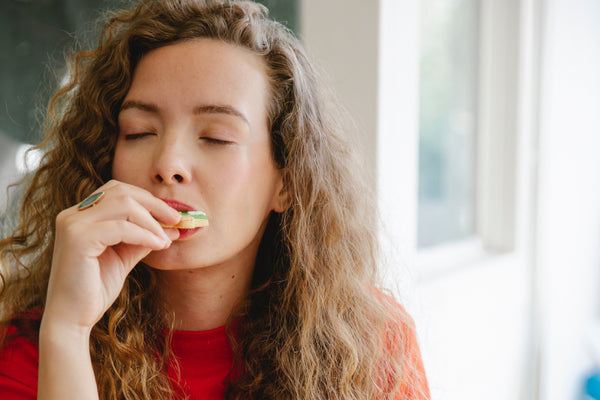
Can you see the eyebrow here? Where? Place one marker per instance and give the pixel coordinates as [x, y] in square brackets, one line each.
[202, 109]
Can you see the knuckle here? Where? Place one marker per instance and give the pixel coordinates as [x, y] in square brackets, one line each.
[113, 183]
[62, 218]
[69, 233]
[128, 201]
[121, 224]
[71, 230]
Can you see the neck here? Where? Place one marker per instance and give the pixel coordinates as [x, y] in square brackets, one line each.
[204, 298]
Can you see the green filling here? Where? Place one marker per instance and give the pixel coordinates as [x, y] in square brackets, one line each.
[194, 214]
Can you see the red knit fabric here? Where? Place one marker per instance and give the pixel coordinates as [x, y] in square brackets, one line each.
[205, 359]
[18, 368]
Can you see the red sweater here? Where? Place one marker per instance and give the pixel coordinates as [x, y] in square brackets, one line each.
[205, 358]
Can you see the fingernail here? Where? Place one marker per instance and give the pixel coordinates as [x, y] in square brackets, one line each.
[172, 234]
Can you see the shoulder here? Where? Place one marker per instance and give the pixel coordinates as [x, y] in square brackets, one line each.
[400, 336]
[401, 342]
[19, 358]
[398, 321]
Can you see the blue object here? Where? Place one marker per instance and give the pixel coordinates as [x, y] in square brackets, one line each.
[592, 386]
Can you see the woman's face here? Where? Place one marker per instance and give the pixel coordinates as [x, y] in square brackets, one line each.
[193, 130]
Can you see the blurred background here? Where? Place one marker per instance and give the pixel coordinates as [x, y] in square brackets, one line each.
[478, 123]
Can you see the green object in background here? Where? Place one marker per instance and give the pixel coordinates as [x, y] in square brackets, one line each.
[284, 11]
[36, 35]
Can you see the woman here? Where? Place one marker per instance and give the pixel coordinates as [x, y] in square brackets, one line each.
[198, 105]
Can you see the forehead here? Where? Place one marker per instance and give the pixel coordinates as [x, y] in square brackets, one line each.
[201, 71]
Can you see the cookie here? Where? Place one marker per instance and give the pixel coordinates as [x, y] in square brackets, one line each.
[190, 220]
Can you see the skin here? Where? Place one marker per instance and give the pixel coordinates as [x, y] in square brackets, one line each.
[193, 128]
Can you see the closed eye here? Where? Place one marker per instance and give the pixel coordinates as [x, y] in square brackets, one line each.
[134, 136]
[212, 140]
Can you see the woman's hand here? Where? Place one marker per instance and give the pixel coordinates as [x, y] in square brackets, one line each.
[96, 248]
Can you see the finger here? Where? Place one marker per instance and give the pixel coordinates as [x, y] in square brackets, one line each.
[172, 233]
[160, 210]
[121, 192]
[113, 209]
[114, 232]
[128, 209]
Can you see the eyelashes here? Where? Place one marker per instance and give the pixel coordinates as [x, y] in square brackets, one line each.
[134, 136]
[207, 139]
[212, 140]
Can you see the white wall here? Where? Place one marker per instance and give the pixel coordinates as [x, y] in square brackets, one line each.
[342, 36]
[568, 249]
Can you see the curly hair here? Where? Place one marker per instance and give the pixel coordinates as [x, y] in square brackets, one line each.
[314, 325]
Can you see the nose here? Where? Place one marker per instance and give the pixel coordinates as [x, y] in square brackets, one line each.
[171, 164]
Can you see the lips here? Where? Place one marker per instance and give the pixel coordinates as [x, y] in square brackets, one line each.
[179, 206]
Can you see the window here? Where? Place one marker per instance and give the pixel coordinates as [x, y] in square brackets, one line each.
[448, 82]
[490, 192]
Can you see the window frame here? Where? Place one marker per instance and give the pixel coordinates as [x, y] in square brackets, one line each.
[497, 141]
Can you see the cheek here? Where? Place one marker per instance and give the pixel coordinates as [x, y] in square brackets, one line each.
[247, 181]
[235, 172]
[225, 182]
[124, 165]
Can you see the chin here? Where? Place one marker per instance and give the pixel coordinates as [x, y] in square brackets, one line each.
[170, 260]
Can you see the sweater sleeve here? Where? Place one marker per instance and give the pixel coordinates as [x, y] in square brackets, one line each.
[414, 384]
[410, 381]
[18, 368]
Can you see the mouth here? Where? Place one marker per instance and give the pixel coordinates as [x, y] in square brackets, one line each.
[179, 206]
[186, 233]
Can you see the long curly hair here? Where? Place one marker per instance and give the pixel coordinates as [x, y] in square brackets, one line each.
[314, 326]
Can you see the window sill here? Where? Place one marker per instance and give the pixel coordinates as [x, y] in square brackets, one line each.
[438, 261]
